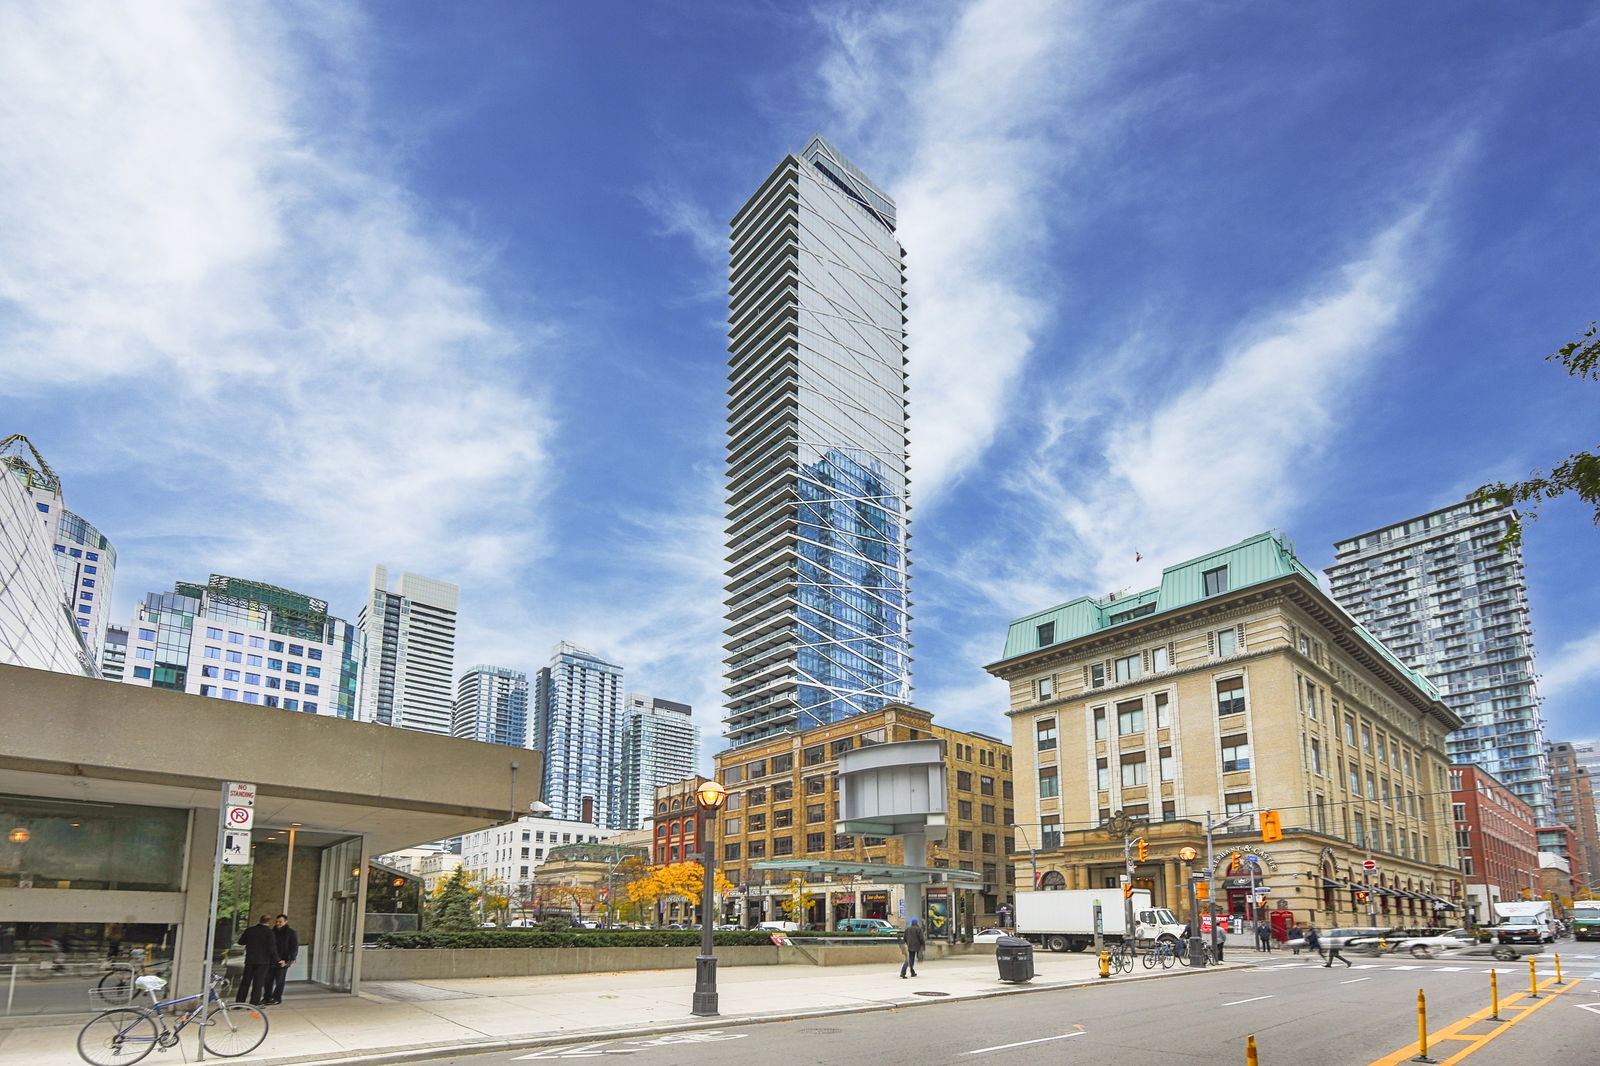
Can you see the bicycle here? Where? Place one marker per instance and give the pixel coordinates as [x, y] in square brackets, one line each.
[1162, 953]
[124, 1035]
[116, 985]
[1122, 958]
[1185, 958]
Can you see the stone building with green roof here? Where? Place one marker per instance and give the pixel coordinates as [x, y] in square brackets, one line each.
[1234, 686]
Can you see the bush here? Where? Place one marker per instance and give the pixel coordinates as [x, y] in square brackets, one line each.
[593, 938]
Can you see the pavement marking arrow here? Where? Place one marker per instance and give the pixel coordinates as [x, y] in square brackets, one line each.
[1593, 1008]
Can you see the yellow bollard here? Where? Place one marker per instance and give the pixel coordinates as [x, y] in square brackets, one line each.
[1250, 1051]
[1422, 1029]
[1105, 964]
[1494, 994]
[1533, 980]
[1558, 967]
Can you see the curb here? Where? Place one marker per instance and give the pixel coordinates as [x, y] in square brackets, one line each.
[418, 1052]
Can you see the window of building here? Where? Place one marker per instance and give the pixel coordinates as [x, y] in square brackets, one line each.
[1130, 718]
[782, 790]
[1163, 712]
[1100, 723]
[235, 638]
[987, 813]
[783, 845]
[235, 657]
[1372, 786]
[988, 843]
[782, 764]
[1129, 668]
[1366, 739]
[213, 653]
[142, 672]
[986, 786]
[1230, 696]
[758, 823]
[228, 675]
[1215, 581]
[257, 642]
[964, 780]
[212, 633]
[144, 653]
[755, 769]
[1237, 802]
[1227, 641]
[1135, 772]
[1046, 734]
[1159, 660]
[1049, 783]
[1102, 775]
[147, 634]
[1236, 752]
[839, 747]
[814, 755]
[1097, 675]
[1316, 756]
[783, 818]
[1168, 765]
[964, 810]
[1047, 633]
[1044, 688]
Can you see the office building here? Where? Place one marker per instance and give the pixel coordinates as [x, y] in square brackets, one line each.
[245, 641]
[817, 568]
[39, 620]
[85, 560]
[1495, 841]
[578, 727]
[114, 653]
[411, 649]
[507, 857]
[659, 745]
[1572, 805]
[492, 706]
[1235, 686]
[783, 803]
[1438, 591]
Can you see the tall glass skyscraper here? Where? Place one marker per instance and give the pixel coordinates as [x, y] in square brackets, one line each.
[659, 746]
[817, 567]
[492, 706]
[1438, 591]
[410, 629]
[578, 726]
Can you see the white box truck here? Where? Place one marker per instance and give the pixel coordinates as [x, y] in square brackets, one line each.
[1530, 921]
[1064, 920]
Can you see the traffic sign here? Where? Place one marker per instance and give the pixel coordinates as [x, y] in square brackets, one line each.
[241, 818]
[241, 794]
[236, 849]
[1369, 866]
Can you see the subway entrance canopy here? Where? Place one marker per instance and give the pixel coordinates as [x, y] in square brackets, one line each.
[874, 871]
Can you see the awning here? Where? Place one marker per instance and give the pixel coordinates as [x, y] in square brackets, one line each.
[1328, 882]
[873, 871]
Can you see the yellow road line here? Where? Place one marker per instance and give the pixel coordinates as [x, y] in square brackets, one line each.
[1517, 1003]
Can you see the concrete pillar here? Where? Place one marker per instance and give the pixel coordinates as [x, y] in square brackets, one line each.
[916, 845]
[189, 958]
[1173, 891]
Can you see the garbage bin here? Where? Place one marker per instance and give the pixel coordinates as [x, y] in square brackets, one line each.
[1015, 958]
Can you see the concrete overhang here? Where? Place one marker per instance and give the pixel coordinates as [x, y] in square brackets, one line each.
[78, 738]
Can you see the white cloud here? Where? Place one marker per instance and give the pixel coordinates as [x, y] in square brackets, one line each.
[1575, 663]
[195, 230]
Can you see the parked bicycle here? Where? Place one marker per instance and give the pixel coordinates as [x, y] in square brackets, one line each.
[116, 985]
[124, 1035]
[1122, 958]
[1162, 953]
[1189, 958]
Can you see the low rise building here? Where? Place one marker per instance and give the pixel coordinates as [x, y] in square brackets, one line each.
[1234, 686]
[510, 855]
[1495, 841]
[1572, 804]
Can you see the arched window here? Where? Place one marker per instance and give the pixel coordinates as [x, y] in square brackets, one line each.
[1052, 881]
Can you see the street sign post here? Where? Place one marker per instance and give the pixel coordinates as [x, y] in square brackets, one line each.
[1369, 866]
[236, 814]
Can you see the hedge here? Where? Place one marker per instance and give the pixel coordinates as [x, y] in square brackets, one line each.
[592, 938]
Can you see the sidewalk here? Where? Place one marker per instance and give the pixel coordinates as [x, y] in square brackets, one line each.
[389, 1021]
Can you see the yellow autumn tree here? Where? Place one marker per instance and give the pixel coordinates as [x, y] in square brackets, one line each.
[799, 900]
[684, 880]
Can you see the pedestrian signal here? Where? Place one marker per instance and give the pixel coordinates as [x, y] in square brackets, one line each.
[1144, 848]
[1362, 897]
[1202, 890]
[1271, 826]
[1127, 891]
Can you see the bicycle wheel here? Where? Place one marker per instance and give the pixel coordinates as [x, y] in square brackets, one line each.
[1167, 957]
[117, 1037]
[116, 986]
[1150, 958]
[233, 1030]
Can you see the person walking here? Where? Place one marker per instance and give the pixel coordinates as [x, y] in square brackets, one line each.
[288, 950]
[1333, 953]
[1295, 933]
[260, 959]
[915, 942]
[1313, 940]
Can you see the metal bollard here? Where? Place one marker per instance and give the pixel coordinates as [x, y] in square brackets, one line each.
[1494, 994]
[1558, 967]
[1250, 1051]
[1533, 980]
[1105, 964]
[1422, 1029]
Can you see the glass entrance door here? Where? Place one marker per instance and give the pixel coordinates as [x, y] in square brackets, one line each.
[338, 915]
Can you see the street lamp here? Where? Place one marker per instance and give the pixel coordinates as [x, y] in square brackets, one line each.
[1033, 855]
[710, 795]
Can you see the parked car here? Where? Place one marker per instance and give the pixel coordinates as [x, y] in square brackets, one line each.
[988, 936]
[780, 927]
[868, 925]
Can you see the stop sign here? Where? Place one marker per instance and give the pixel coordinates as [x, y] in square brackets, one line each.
[1369, 866]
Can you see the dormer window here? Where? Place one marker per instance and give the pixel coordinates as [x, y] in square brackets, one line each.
[1047, 634]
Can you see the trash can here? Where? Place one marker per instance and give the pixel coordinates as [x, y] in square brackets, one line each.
[1014, 956]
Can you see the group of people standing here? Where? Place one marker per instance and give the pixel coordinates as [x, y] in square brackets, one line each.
[270, 948]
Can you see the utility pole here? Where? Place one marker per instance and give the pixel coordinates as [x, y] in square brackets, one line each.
[1211, 864]
[1121, 822]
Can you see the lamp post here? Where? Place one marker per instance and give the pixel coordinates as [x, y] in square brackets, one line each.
[1033, 855]
[710, 795]
[1188, 854]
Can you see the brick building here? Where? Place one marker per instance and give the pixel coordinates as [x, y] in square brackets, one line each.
[1495, 839]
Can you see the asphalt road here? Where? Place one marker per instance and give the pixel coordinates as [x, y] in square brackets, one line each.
[1300, 1013]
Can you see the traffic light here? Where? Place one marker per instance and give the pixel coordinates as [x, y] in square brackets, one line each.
[1144, 848]
[1362, 897]
[1271, 826]
[1233, 860]
[1202, 890]
[1127, 891]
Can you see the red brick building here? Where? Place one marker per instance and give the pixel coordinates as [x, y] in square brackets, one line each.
[678, 822]
[1496, 839]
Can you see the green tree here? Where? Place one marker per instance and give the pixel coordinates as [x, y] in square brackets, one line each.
[452, 909]
[1579, 472]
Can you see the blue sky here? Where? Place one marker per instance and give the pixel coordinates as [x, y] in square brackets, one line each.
[289, 289]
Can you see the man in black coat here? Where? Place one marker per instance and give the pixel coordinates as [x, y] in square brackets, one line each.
[915, 942]
[260, 959]
[288, 951]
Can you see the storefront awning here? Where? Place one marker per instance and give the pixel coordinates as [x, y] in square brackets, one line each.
[873, 871]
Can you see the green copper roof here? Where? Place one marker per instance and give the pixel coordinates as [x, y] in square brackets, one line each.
[1263, 557]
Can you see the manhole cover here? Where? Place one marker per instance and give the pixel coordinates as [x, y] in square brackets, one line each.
[931, 993]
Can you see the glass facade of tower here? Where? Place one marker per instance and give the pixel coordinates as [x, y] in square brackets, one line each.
[1438, 591]
[578, 727]
[818, 606]
[492, 706]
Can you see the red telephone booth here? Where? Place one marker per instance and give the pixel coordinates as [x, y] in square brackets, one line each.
[1281, 921]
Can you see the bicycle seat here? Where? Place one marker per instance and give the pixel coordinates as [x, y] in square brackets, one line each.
[150, 982]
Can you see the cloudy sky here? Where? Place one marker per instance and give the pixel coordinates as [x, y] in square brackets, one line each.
[287, 290]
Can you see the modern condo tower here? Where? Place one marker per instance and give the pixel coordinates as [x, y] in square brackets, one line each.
[492, 706]
[659, 746]
[1438, 591]
[577, 724]
[411, 650]
[818, 611]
